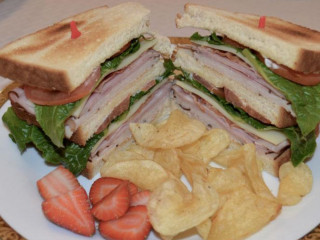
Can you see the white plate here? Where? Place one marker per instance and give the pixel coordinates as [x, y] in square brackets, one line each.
[20, 202]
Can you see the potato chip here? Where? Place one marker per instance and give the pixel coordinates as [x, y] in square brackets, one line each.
[295, 182]
[227, 180]
[209, 145]
[132, 152]
[146, 174]
[203, 228]
[173, 209]
[177, 131]
[228, 157]
[190, 165]
[169, 160]
[243, 214]
[146, 153]
[254, 173]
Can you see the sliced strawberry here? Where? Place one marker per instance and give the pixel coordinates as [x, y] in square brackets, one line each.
[140, 198]
[133, 189]
[71, 211]
[114, 205]
[103, 186]
[57, 182]
[134, 225]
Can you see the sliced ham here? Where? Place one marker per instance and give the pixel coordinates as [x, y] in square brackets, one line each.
[203, 111]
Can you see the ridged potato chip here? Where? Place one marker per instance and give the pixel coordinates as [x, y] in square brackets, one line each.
[190, 165]
[295, 182]
[146, 174]
[228, 157]
[173, 209]
[177, 131]
[254, 174]
[133, 152]
[226, 181]
[145, 153]
[243, 214]
[169, 160]
[209, 145]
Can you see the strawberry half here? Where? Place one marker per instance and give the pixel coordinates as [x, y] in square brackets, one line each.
[71, 211]
[103, 186]
[114, 205]
[140, 198]
[134, 225]
[57, 182]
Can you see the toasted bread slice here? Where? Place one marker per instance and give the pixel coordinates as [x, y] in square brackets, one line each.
[50, 59]
[285, 43]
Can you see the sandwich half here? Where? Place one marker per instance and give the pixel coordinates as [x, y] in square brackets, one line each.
[264, 68]
[73, 89]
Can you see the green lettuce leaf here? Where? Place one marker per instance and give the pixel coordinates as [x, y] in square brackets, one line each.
[115, 61]
[22, 134]
[52, 118]
[73, 156]
[76, 156]
[212, 39]
[169, 68]
[302, 147]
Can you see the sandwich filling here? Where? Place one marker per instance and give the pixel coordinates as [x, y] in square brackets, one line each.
[304, 100]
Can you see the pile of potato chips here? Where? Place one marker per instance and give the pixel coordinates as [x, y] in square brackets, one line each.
[232, 202]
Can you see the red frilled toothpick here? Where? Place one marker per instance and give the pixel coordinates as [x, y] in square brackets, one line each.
[75, 33]
[262, 22]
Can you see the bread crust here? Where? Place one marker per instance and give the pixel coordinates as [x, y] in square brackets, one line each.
[284, 119]
[50, 59]
[294, 46]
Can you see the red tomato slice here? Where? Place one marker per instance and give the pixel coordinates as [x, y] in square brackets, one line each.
[51, 98]
[306, 79]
